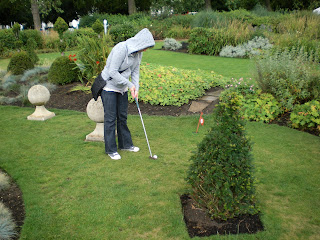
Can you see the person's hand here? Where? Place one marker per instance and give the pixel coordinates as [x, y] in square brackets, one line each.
[134, 93]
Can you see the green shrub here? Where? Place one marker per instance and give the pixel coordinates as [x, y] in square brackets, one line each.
[290, 76]
[178, 32]
[211, 41]
[261, 107]
[19, 63]
[210, 19]
[31, 33]
[221, 172]
[63, 70]
[62, 46]
[60, 26]
[97, 26]
[287, 41]
[71, 37]
[16, 29]
[122, 32]
[181, 20]
[306, 116]
[93, 55]
[7, 38]
[31, 45]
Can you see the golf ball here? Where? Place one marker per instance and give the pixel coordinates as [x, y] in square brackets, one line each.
[155, 156]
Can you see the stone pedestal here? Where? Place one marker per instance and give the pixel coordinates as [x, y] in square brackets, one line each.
[95, 112]
[39, 95]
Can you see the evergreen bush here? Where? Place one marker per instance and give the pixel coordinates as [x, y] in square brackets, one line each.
[31, 45]
[60, 26]
[63, 70]
[71, 37]
[98, 27]
[16, 29]
[7, 38]
[211, 41]
[19, 63]
[122, 32]
[221, 172]
[31, 33]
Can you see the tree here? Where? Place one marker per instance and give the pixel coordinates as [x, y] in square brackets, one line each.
[132, 7]
[43, 7]
[10, 12]
[268, 5]
[208, 5]
[35, 14]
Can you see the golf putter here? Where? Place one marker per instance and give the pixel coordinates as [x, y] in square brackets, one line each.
[144, 129]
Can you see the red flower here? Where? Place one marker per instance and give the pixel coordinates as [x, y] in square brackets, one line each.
[97, 62]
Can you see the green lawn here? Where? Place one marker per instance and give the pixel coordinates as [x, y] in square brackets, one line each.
[227, 67]
[72, 190]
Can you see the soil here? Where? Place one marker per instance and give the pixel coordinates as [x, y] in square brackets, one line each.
[197, 222]
[200, 224]
[12, 199]
[63, 98]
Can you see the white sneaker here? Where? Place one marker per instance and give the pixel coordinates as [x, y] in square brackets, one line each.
[132, 149]
[115, 156]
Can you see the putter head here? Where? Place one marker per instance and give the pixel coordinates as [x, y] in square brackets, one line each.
[154, 157]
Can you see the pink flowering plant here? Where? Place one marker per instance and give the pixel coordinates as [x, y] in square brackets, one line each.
[242, 86]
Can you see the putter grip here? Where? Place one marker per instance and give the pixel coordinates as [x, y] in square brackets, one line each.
[137, 102]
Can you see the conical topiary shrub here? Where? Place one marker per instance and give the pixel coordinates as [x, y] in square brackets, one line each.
[221, 170]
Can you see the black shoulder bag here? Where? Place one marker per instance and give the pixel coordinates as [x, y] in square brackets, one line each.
[97, 87]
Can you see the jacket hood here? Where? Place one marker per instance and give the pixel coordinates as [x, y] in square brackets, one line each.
[140, 41]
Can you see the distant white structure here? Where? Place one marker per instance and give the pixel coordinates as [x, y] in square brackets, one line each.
[75, 23]
[105, 25]
[43, 26]
[317, 11]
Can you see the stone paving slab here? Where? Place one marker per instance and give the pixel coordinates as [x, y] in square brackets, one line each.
[197, 106]
[209, 98]
[215, 93]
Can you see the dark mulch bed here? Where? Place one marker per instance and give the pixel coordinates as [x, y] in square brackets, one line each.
[200, 224]
[12, 199]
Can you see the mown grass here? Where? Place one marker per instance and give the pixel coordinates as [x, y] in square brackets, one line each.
[73, 191]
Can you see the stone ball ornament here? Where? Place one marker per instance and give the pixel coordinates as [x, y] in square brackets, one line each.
[39, 95]
[95, 112]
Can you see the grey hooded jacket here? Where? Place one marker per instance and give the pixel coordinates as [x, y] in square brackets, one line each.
[124, 61]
